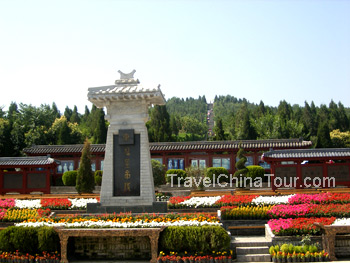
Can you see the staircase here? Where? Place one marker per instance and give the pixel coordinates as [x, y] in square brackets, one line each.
[251, 249]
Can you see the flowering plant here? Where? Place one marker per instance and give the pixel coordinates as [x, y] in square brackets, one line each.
[298, 226]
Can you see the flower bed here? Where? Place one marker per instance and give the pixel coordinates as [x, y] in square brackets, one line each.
[52, 203]
[244, 212]
[244, 200]
[298, 226]
[309, 210]
[18, 215]
[125, 220]
[26, 258]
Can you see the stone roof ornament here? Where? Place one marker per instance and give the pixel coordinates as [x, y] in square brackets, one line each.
[128, 75]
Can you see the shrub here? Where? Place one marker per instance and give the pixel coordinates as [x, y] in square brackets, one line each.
[179, 174]
[48, 239]
[69, 178]
[217, 171]
[194, 238]
[29, 239]
[24, 239]
[85, 177]
[98, 177]
[159, 171]
[255, 171]
[5, 237]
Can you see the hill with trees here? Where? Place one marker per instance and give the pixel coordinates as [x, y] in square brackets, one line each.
[179, 120]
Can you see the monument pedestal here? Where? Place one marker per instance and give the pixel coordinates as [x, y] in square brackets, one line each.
[156, 207]
[127, 181]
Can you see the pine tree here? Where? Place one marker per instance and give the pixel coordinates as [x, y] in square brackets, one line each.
[85, 177]
[159, 124]
[75, 116]
[64, 135]
[68, 113]
[219, 131]
[100, 134]
[323, 136]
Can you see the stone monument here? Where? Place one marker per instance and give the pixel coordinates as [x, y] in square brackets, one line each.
[127, 181]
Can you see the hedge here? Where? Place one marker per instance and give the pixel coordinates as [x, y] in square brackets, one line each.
[194, 239]
[158, 171]
[255, 171]
[179, 174]
[69, 178]
[98, 177]
[30, 240]
[217, 171]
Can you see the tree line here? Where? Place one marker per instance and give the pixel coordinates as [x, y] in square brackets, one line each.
[181, 119]
[26, 125]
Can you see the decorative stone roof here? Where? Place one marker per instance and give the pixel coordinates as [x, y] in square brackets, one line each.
[179, 146]
[125, 89]
[329, 153]
[26, 161]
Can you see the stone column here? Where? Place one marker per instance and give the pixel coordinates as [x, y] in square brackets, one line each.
[127, 112]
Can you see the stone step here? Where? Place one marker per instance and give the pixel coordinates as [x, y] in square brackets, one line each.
[250, 242]
[252, 250]
[254, 258]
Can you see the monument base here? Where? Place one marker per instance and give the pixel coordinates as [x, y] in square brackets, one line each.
[98, 208]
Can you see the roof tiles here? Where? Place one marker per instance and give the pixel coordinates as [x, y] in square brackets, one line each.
[178, 146]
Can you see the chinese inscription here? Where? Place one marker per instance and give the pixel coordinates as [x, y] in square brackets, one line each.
[126, 159]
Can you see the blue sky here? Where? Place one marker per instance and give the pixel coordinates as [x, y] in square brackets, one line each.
[258, 50]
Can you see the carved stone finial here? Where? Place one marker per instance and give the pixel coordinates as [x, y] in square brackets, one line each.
[127, 76]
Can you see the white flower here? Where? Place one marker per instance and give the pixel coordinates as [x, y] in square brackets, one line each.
[29, 204]
[200, 201]
[341, 222]
[81, 203]
[110, 224]
[271, 200]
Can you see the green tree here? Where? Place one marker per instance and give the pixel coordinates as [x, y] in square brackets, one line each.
[244, 129]
[340, 139]
[5, 143]
[159, 124]
[219, 131]
[158, 171]
[85, 177]
[64, 134]
[68, 113]
[309, 121]
[60, 134]
[175, 125]
[75, 117]
[194, 127]
[100, 134]
[323, 136]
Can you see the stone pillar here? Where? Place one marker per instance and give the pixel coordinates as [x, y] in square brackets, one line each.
[127, 157]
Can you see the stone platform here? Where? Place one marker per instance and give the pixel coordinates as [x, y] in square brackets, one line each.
[156, 207]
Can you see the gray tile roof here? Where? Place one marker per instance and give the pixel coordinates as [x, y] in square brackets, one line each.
[180, 146]
[230, 145]
[23, 161]
[308, 153]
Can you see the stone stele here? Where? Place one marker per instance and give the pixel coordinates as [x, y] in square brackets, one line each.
[127, 181]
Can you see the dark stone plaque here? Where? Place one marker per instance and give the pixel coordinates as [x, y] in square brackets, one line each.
[339, 172]
[36, 180]
[286, 172]
[126, 164]
[311, 172]
[126, 137]
[13, 181]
